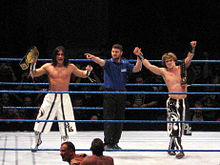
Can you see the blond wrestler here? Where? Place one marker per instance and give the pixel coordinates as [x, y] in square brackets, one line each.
[176, 103]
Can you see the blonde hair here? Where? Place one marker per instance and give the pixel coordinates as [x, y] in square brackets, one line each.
[168, 55]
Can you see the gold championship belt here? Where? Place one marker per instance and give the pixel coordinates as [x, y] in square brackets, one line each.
[29, 58]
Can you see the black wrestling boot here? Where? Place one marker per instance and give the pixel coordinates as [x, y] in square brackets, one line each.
[180, 155]
[171, 147]
[108, 146]
[115, 146]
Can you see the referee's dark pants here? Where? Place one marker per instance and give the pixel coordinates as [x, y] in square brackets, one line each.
[114, 109]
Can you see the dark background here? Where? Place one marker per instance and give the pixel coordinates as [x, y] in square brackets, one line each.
[156, 26]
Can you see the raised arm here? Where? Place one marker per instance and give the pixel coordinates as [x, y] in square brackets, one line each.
[96, 59]
[138, 65]
[190, 54]
[156, 70]
[40, 71]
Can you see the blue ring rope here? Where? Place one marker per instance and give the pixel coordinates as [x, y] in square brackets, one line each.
[109, 121]
[120, 150]
[86, 60]
[100, 84]
[101, 108]
[107, 92]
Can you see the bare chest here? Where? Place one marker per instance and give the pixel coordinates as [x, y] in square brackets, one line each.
[59, 73]
[172, 77]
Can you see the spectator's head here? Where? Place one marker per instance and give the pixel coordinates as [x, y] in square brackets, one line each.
[67, 151]
[198, 104]
[139, 80]
[78, 102]
[28, 101]
[97, 147]
[94, 117]
[5, 98]
[198, 112]
[4, 67]
[198, 69]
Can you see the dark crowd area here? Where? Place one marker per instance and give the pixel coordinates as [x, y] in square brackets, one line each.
[156, 26]
[198, 73]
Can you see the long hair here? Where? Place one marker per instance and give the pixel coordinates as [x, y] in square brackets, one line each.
[168, 55]
[55, 52]
[97, 147]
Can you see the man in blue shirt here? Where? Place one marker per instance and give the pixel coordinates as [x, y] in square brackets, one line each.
[115, 77]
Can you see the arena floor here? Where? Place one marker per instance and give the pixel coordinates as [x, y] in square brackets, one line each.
[130, 140]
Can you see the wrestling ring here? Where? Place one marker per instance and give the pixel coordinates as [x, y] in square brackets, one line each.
[138, 147]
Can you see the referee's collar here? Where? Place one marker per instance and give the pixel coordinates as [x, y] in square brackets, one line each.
[121, 61]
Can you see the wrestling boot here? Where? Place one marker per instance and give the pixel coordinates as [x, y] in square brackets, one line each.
[172, 153]
[37, 141]
[108, 146]
[181, 154]
[64, 138]
[115, 146]
[171, 147]
[108, 143]
[111, 146]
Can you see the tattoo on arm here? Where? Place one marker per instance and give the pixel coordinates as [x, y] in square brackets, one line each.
[192, 51]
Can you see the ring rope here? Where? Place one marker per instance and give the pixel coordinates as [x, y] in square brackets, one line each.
[100, 84]
[121, 150]
[108, 92]
[86, 60]
[101, 108]
[108, 121]
[117, 92]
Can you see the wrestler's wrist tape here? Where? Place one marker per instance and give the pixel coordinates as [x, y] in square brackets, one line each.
[33, 66]
[141, 57]
[88, 73]
[192, 51]
[183, 81]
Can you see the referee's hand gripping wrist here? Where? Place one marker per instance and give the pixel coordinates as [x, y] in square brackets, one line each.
[138, 53]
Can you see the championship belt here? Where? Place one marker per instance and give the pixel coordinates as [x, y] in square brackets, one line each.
[29, 58]
[183, 73]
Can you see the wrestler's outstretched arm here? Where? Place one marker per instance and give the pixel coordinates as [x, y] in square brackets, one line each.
[81, 73]
[96, 59]
[156, 70]
[190, 54]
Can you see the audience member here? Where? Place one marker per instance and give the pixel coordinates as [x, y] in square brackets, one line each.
[210, 101]
[10, 113]
[197, 115]
[7, 73]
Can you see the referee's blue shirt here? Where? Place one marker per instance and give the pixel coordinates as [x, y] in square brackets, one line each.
[115, 74]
